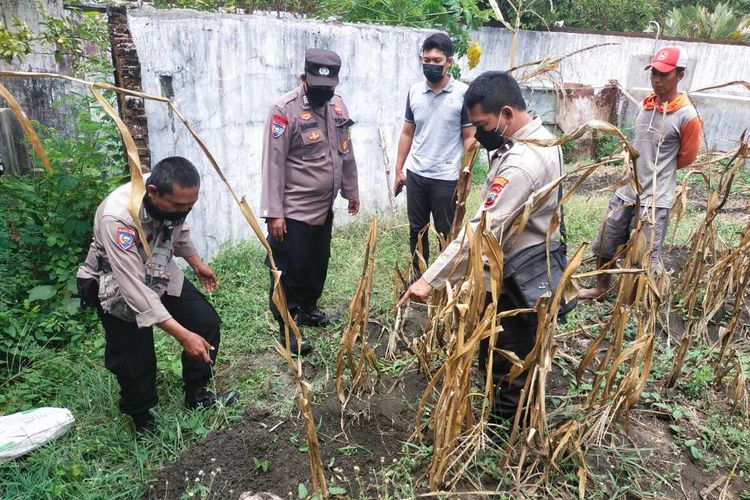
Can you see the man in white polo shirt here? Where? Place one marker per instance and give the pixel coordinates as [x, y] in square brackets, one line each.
[436, 132]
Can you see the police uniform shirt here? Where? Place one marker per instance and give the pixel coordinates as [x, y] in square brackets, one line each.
[513, 176]
[307, 159]
[116, 244]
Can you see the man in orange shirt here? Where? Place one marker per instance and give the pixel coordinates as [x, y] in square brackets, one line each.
[667, 136]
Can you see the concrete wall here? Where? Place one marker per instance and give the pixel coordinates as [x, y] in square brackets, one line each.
[225, 70]
[726, 112]
[38, 97]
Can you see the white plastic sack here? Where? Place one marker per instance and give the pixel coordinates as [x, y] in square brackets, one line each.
[28, 430]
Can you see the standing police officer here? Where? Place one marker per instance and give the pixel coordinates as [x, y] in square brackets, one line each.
[132, 293]
[498, 110]
[307, 160]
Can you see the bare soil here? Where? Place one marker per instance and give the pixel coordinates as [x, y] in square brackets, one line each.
[374, 431]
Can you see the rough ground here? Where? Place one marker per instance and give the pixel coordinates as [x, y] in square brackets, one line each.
[375, 432]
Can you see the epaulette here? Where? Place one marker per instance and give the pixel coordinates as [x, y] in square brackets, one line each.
[286, 98]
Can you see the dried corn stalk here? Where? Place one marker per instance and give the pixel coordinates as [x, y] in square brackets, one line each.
[361, 368]
[703, 244]
[463, 188]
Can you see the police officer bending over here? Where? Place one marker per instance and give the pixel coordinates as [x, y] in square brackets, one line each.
[497, 109]
[132, 294]
[307, 160]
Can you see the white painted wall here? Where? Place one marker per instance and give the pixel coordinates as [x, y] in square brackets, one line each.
[227, 69]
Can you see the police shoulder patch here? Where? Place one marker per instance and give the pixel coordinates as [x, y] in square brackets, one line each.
[278, 125]
[496, 187]
[125, 237]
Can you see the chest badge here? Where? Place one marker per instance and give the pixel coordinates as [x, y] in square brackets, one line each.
[345, 145]
[313, 136]
[338, 110]
[125, 237]
[305, 115]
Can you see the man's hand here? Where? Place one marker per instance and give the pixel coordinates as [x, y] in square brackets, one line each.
[354, 207]
[197, 348]
[205, 274]
[400, 177]
[418, 291]
[277, 228]
[207, 277]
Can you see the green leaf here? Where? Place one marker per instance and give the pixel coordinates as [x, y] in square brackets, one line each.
[337, 490]
[696, 453]
[691, 442]
[676, 428]
[42, 292]
[302, 490]
[71, 305]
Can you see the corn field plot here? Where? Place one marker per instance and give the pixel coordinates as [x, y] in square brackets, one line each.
[370, 452]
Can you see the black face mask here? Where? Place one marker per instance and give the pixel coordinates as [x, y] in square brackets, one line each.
[433, 72]
[489, 139]
[318, 96]
[158, 214]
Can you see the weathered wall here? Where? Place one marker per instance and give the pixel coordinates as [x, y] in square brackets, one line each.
[726, 112]
[38, 97]
[127, 75]
[225, 70]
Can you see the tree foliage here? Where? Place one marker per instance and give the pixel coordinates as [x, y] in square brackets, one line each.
[453, 16]
[700, 22]
[45, 231]
[82, 36]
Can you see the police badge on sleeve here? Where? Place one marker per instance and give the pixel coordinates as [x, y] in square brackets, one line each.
[498, 183]
[125, 237]
[278, 125]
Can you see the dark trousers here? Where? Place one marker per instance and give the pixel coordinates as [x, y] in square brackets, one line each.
[302, 257]
[129, 352]
[425, 196]
[518, 336]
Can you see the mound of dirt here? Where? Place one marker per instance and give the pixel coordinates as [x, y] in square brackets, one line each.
[263, 452]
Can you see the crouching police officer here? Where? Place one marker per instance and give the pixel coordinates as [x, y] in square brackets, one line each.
[307, 160]
[497, 109]
[132, 293]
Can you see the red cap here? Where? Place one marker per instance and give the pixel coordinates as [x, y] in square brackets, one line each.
[667, 59]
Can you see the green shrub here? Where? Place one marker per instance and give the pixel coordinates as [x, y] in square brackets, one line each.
[45, 231]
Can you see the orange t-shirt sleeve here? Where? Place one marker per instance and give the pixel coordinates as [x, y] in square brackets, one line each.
[690, 142]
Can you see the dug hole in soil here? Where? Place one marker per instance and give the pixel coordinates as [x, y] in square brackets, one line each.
[264, 452]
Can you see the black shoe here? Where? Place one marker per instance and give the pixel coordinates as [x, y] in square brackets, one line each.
[312, 317]
[206, 399]
[305, 349]
[144, 424]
